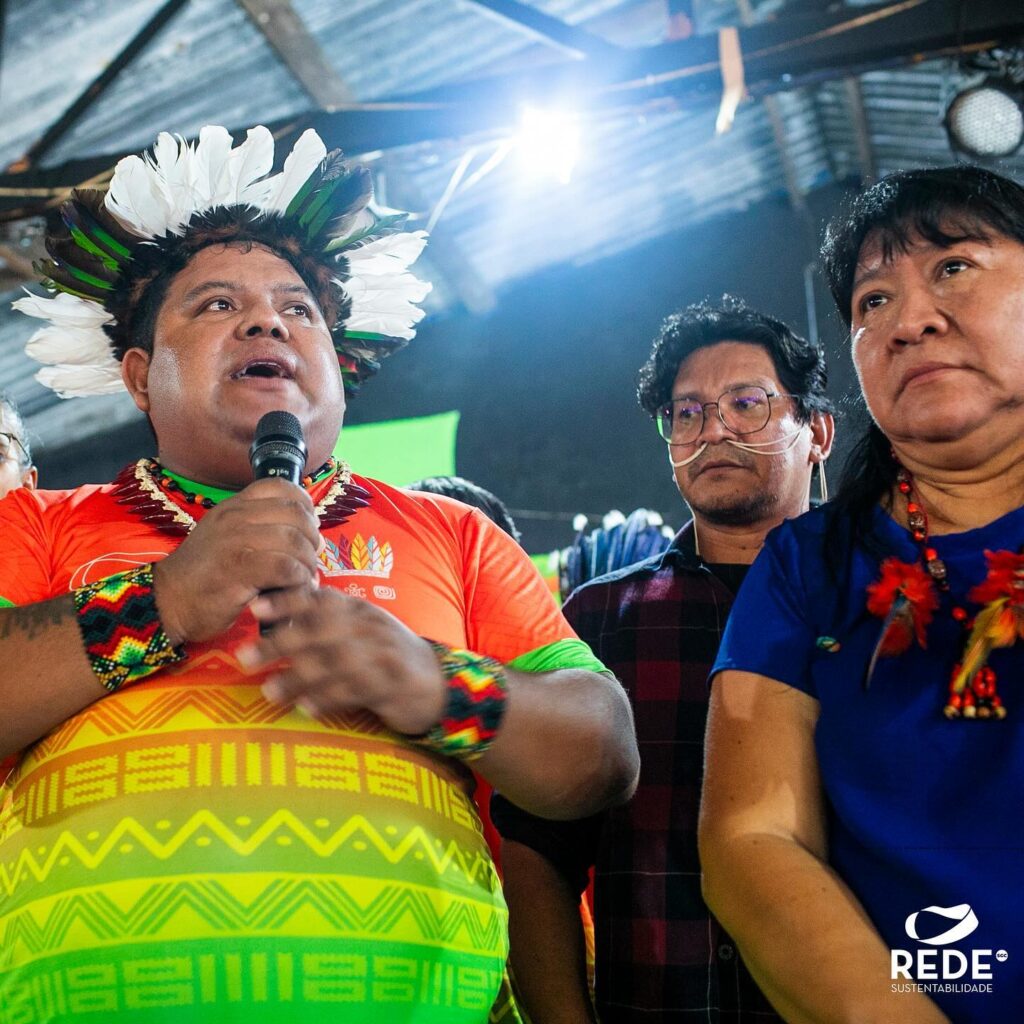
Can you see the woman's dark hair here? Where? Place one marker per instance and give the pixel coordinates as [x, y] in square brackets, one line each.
[469, 493]
[799, 364]
[943, 206]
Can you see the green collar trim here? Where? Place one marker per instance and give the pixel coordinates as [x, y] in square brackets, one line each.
[215, 494]
[218, 494]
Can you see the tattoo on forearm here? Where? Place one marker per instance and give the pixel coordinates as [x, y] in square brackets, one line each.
[34, 620]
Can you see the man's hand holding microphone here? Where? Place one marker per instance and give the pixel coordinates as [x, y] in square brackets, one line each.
[258, 549]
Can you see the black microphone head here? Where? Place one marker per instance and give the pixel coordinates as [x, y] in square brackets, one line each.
[278, 426]
[278, 448]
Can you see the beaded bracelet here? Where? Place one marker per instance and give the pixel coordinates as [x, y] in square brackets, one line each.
[475, 704]
[124, 639]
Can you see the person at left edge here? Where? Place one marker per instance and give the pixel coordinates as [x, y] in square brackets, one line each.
[204, 824]
[16, 468]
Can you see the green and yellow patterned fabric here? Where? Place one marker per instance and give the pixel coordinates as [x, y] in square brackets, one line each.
[183, 851]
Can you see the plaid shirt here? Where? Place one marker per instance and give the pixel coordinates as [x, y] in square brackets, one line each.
[660, 955]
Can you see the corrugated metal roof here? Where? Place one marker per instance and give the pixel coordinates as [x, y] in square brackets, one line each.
[643, 173]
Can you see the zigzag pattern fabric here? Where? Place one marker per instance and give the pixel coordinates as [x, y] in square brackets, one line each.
[179, 854]
[183, 851]
[121, 628]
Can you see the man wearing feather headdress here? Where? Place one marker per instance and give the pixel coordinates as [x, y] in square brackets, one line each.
[200, 821]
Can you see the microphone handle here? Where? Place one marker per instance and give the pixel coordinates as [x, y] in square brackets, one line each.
[278, 459]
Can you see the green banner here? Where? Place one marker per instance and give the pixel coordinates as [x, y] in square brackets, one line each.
[400, 451]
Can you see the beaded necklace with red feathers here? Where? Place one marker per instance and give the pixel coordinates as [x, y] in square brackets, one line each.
[907, 594]
[146, 490]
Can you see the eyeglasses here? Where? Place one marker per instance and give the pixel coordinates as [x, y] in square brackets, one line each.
[742, 410]
[12, 448]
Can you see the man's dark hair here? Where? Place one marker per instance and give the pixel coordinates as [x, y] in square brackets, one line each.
[799, 364]
[943, 206]
[469, 493]
[11, 420]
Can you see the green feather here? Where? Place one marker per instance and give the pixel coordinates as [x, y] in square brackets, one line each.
[111, 243]
[319, 201]
[367, 335]
[77, 216]
[90, 246]
[300, 197]
[85, 278]
[321, 220]
[50, 284]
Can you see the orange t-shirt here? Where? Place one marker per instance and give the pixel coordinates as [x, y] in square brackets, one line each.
[182, 844]
[439, 566]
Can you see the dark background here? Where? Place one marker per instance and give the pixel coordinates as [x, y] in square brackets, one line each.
[546, 381]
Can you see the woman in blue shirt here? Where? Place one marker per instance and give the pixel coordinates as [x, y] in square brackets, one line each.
[862, 827]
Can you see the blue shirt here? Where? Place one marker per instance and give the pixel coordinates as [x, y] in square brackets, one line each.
[923, 811]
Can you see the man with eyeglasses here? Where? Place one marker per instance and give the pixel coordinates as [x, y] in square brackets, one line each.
[16, 469]
[740, 401]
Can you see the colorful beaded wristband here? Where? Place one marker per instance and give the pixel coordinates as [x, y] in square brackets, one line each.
[121, 628]
[475, 704]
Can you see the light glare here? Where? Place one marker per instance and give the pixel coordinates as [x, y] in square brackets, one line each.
[548, 143]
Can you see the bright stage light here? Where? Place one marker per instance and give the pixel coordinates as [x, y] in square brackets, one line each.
[548, 143]
[987, 120]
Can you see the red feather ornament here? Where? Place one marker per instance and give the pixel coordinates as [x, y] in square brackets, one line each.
[1001, 621]
[904, 595]
[907, 594]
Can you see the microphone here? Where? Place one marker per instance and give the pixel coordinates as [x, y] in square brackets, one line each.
[278, 448]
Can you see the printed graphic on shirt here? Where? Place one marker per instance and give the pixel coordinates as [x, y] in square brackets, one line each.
[357, 557]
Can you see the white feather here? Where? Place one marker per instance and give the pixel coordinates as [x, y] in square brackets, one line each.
[405, 287]
[386, 306]
[210, 168]
[77, 346]
[248, 164]
[135, 200]
[389, 254]
[81, 381]
[63, 310]
[303, 160]
[171, 172]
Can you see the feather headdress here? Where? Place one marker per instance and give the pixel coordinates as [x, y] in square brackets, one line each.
[162, 208]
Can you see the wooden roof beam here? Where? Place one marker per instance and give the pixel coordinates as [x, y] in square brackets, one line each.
[300, 52]
[305, 59]
[575, 41]
[861, 132]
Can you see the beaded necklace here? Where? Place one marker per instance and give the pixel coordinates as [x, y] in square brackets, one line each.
[907, 594]
[145, 489]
